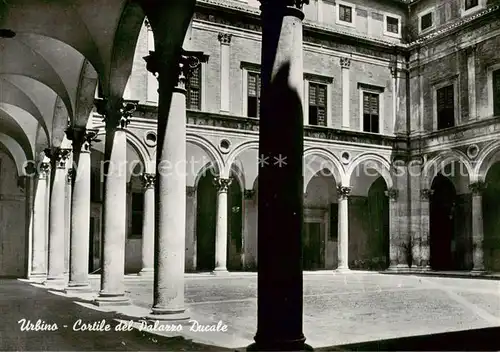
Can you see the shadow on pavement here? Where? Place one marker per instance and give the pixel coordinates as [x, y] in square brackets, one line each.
[487, 339]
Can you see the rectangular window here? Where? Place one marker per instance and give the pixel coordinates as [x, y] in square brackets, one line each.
[469, 4]
[193, 88]
[392, 25]
[371, 112]
[137, 214]
[496, 92]
[253, 94]
[317, 104]
[345, 13]
[426, 21]
[445, 102]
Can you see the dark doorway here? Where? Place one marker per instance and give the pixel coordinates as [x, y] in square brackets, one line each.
[491, 220]
[206, 222]
[313, 250]
[442, 229]
[378, 225]
[234, 226]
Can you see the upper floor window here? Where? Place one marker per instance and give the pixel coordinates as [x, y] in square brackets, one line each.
[445, 103]
[345, 13]
[253, 94]
[469, 4]
[496, 92]
[392, 25]
[426, 21]
[371, 112]
[193, 88]
[317, 104]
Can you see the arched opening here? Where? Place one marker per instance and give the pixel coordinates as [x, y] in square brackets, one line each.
[491, 220]
[378, 225]
[442, 226]
[320, 229]
[206, 216]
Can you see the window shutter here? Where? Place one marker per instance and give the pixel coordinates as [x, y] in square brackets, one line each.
[312, 94]
[321, 95]
[366, 103]
[252, 85]
[374, 104]
[441, 99]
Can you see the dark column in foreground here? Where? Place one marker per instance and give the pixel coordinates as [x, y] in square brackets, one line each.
[280, 202]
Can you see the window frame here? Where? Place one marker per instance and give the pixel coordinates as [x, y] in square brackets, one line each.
[353, 14]
[431, 11]
[491, 97]
[481, 4]
[318, 79]
[368, 88]
[200, 88]
[386, 31]
[454, 80]
[247, 67]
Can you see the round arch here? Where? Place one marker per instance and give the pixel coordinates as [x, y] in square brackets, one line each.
[16, 151]
[377, 162]
[208, 147]
[235, 153]
[485, 160]
[332, 164]
[439, 162]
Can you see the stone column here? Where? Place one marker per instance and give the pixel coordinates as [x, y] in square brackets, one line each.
[116, 116]
[345, 63]
[477, 190]
[225, 42]
[191, 211]
[425, 251]
[320, 11]
[471, 78]
[343, 244]
[249, 235]
[40, 236]
[170, 188]
[67, 215]
[281, 184]
[395, 240]
[148, 225]
[80, 212]
[57, 246]
[222, 185]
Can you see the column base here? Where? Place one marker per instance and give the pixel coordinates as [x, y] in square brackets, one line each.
[147, 272]
[78, 288]
[37, 277]
[110, 300]
[280, 346]
[161, 314]
[345, 270]
[477, 272]
[220, 271]
[398, 268]
[53, 282]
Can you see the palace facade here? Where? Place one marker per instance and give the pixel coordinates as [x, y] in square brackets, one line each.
[401, 109]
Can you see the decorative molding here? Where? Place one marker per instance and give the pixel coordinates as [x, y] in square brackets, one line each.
[343, 192]
[116, 113]
[249, 194]
[43, 170]
[250, 66]
[477, 188]
[345, 62]
[371, 87]
[70, 176]
[392, 194]
[190, 191]
[293, 3]
[58, 156]
[222, 184]
[425, 194]
[148, 180]
[224, 38]
[318, 78]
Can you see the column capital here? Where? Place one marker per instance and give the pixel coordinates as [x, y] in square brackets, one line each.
[249, 194]
[394, 70]
[190, 191]
[43, 170]
[345, 62]
[188, 62]
[58, 156]
[82, 136]
[224, 38]
[477, 188]
[343, 192]
[471, 49]
[148, 180]
[222, 184]
[425, 194]
[117, 112]
[392, 194]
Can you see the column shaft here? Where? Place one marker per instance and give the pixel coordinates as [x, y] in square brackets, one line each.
[394, 235]
[221, 225]
[280, 200]
[40, 235]
[346, 90]
[148, 225]
[57, 244]
[471, 78]
[343, 244]
[477, 189]
[425, 249]
[225, 40]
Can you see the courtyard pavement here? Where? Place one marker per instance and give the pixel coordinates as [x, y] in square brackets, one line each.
[338, 308]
